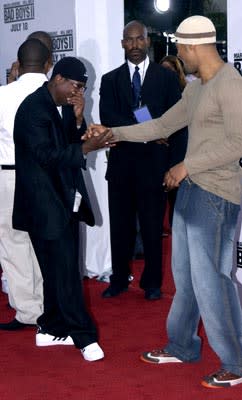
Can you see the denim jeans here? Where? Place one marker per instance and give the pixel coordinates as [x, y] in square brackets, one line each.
[202, 251]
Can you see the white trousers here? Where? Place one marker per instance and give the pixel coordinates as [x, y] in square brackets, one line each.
[18, 259]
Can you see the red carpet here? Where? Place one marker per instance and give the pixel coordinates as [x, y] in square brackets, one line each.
[128, 325]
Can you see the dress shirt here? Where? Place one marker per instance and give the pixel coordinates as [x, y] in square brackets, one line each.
[142, 68]
[11, 96]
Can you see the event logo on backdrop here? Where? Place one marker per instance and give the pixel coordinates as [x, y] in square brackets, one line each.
[19, 18]
[62, 43]
[17, 14]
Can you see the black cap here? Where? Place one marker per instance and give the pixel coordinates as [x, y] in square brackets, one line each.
[70, 68]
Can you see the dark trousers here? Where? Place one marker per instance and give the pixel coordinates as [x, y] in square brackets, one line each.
[64, 308]
[128, 199]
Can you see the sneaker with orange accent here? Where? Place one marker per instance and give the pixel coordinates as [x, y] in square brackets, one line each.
[159, 356]
[221, 379]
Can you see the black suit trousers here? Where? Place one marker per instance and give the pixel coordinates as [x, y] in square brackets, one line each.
[64, 307]
[128, 199]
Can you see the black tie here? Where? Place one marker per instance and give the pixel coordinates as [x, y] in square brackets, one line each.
[136, 86]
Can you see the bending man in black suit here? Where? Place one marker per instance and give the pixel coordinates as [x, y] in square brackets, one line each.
[135, 170]
[50, 198]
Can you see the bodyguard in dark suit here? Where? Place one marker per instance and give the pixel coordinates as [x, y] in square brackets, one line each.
[135, 171]
[50, 199]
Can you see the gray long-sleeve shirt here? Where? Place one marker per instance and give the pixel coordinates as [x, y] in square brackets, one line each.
[213, 114]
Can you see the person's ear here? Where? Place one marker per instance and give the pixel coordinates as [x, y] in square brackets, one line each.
[59, 78]
[47, 66]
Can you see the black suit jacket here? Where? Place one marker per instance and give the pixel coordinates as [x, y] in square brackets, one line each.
[160, 91]
[48, 168]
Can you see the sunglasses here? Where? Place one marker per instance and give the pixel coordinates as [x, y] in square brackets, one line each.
[78, 85]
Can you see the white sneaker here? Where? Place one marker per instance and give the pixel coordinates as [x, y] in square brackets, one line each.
[92, 352]
[44, 339]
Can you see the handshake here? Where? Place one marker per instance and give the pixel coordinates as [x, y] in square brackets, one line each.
[104, 134]
[97, 137]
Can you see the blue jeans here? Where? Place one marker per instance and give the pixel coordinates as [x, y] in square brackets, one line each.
[202, 248]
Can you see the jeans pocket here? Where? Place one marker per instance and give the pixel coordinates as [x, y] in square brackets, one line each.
[216, 204]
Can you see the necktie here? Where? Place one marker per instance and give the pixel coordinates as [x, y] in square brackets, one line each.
[136, 87]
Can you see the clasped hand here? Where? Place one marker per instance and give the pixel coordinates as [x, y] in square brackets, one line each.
[96, 137]
[101, 132]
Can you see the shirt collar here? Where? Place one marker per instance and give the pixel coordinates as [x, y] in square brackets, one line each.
[32, 75]
[142, 68]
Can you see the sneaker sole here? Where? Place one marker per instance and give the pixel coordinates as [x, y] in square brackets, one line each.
[211, 386]
[167, 360]
[94, 359]
[54, 343]
[218, 385]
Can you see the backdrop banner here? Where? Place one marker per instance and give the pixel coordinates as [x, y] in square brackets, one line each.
[19, 18]
[91, 31]
[234, 15]
[234, 18]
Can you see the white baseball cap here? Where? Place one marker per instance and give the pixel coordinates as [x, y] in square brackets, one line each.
[196, 30]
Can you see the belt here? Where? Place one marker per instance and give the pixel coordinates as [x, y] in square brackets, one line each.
[7, 166]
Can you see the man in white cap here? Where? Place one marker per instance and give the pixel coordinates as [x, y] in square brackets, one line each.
[207, 205]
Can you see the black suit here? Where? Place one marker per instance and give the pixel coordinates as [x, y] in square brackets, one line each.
[48, 172]
[135, 170]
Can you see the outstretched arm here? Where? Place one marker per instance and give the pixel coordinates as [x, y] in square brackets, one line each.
[171, 121]
[159, 128]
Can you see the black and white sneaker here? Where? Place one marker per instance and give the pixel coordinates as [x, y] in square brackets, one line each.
[221, 379]
[44, 339]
